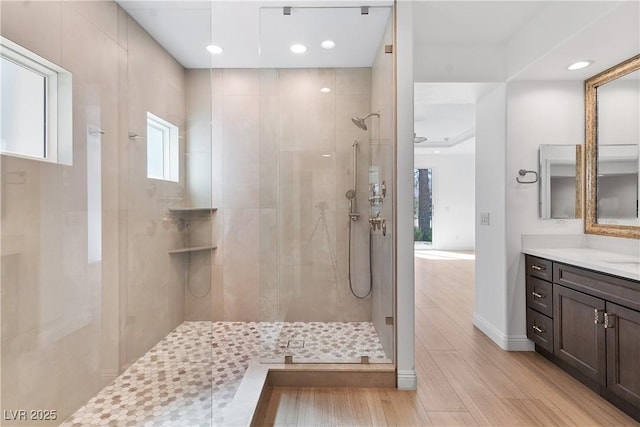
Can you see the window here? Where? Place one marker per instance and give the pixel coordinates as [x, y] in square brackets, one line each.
[36, 107]
[163, 157]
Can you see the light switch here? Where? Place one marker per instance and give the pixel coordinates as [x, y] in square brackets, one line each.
[484, 218]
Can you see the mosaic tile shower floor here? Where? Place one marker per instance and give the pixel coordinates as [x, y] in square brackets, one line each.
[191, 376]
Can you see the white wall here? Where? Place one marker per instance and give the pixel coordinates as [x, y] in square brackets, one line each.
[538, 113]
[489, 315]
[453, 199]
[405, 300]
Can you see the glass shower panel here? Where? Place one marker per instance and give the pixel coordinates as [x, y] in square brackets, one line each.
[59, 240]
[320, 299]
[167, 236]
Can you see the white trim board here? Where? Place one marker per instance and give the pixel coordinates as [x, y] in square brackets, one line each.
[505, 342]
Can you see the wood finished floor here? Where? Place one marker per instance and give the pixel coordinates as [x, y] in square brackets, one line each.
[464, 379]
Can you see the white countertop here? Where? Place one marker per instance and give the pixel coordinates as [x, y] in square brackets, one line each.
[617, 264]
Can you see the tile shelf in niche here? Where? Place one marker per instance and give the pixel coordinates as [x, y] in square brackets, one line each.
[192, 249]
[192, 210]
[186, 214]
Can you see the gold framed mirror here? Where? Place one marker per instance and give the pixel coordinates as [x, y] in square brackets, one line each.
[612, 139]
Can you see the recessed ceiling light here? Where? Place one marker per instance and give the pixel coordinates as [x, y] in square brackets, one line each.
[328, 44]
[214, 49]
[326, 155]
[579, 65]
[298, 48]
[325, 90]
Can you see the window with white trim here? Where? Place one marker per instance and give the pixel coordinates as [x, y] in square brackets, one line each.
[163, 158]
[36, 106]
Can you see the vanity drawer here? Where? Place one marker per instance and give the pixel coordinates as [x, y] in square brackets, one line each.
[540, 296]
[540, 329]
[539, 267]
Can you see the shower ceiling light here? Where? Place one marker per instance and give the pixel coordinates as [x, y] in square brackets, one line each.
[579, 65]
[214, 49]
[325, 90]
[298, 48]
[328, 44]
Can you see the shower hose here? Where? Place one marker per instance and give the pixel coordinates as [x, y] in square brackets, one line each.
[370, 267]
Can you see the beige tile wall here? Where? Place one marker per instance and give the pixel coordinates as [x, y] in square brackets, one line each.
[382, 157]
[154, 283]
[269, 130]
[60, 317]
[70, 324]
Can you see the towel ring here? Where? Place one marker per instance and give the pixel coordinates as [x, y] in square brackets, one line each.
[523, 173]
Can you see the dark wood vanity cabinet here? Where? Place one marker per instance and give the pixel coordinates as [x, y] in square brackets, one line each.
[589, 324]
[623, 353]
[578, 339]
[540, 302]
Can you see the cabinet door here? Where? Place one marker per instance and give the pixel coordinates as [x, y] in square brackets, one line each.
[578, 339]
[623, 353]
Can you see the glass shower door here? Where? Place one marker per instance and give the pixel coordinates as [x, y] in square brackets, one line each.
[325, 276]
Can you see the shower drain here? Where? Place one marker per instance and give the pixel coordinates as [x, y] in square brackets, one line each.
[295, 344]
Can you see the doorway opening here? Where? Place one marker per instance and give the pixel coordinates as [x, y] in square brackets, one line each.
[423, 207]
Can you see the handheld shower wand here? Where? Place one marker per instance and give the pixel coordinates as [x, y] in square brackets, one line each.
[352, 193]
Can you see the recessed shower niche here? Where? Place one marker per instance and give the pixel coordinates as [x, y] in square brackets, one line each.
[195, 226]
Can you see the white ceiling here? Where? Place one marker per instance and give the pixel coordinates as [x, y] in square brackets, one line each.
[461, 48]
[458, 44]
[257, 34]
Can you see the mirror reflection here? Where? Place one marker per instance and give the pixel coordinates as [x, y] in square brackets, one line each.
[612, 135]
[617, 184]
[560, 181]
[618, 133]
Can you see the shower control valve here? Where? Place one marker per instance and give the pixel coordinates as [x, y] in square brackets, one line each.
[378, 223]
[375, 200]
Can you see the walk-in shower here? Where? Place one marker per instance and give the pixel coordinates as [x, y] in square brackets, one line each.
[243, 258]
[318, 251]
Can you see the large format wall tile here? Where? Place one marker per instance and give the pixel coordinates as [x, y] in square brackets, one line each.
[382, 158]
[34, 25]
[282, 158]
[240, 152]
[241, 267]
[62, 343]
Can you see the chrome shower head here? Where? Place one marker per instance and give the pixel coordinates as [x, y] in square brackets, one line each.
[359, 121]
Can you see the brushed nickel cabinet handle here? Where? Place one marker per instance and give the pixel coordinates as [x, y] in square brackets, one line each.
[537, 329]
[537, 295]
[609, 321]
[538, 268]
[598, 316]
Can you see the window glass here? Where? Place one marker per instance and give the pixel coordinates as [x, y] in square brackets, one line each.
[162, 149]
[155, 152]
[23, 110]
[36, 111]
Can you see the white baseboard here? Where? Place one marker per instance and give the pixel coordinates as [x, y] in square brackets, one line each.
[407, 380]
[505, 342]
